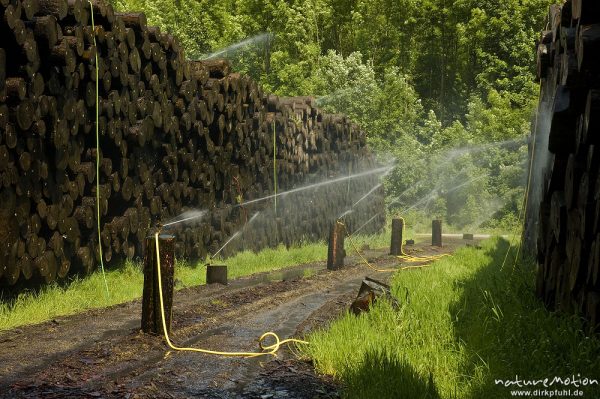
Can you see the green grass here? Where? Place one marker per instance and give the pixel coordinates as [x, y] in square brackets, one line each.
[462, 324]
[56, 300]
[125, 283]
[365, 242]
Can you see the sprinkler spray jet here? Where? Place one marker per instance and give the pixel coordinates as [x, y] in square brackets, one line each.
[427, 198]
[367, 195]
[437, 192]
[382, 170]
[434, 193]
[185, 217]
[236, 234]
[349, 211]
[367, 222]
[371, 191]
[193, 215]
[263, 37]
[448, 157]
[395, 200]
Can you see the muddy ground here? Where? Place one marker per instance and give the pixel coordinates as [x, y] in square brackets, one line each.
[102, 353]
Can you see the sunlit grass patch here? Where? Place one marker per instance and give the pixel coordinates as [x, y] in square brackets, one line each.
[54, 300]
[463, 323]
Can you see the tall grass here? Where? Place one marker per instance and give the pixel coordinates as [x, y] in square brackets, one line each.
[126, 282]
[463, 323]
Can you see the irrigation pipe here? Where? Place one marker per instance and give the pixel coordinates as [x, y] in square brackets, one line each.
[268, 350]
[98, 154]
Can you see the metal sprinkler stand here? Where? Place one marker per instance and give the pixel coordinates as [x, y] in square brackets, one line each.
[151, 312]
[436, 233]
[216, 274]
[335, 252]
[396, 242]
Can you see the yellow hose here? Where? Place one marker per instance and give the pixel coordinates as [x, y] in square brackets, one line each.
[365, 259]
[270, 349]
[404, 256]
[410, 258]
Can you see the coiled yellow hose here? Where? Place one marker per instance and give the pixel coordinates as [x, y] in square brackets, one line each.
[267, 349]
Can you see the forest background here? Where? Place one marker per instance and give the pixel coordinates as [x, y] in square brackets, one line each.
[446, 87]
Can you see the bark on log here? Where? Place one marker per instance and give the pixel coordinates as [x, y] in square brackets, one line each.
[436, 233]
[151, 304]
[396, 239]
[336, 252]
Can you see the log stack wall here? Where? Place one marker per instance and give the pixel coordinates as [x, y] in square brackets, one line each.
[567, 214]
[174, 134]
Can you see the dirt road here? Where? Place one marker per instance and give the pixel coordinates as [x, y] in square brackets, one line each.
[102, 353]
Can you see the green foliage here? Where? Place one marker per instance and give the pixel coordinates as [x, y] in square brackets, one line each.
[463, 322]
[388, 109]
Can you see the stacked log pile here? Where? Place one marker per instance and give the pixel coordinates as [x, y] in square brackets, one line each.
[174, 135]
[568, 230]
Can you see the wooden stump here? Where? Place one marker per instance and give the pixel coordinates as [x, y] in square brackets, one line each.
[396, 242]
[335, 252]
[151, 312]
[216, 274]
[436, 233]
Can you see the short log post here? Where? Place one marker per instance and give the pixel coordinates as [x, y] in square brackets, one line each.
[396, 244]
[151, 312]
[335, 252]
[216, 274]
[436, 233]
